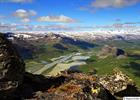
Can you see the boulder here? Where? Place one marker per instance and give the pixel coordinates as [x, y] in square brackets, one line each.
[116, 82]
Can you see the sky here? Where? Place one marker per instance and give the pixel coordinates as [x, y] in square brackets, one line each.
[68, 15]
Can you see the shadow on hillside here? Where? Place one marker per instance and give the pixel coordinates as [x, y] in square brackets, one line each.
[135, 66]
[59, 46]
[135, 56]
[80, 43]
[33, 83]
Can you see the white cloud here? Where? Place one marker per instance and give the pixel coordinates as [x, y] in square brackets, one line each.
[51, 27]
[113, 3]
[24, 15]
[60, 18]
[6, 27]
[25, 20]
[21, 13]
[17, 1]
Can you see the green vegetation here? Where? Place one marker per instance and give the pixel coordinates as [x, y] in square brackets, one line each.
[50, 52]
[47, 71]
[46, 53]
[129, 65]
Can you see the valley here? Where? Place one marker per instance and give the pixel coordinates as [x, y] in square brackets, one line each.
[109, 62]
[52, 60]
[50, 54]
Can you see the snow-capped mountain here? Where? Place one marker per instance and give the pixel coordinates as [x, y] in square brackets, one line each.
[86, 36]
[103, 35]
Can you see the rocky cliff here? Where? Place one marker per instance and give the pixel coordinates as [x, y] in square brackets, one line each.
[12, 67]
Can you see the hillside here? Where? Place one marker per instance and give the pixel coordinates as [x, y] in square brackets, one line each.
[45, 48]
[71, 84]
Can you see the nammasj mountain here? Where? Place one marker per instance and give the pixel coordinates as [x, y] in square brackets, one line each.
[56, 66]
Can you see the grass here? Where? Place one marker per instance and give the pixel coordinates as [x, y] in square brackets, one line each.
[46, 54]
[48, 70]
[32, 65]
[129, 66]
[103, 66]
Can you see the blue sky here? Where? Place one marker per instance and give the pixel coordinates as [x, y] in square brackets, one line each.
[66, 14]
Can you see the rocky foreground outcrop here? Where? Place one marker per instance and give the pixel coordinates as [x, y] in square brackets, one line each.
[79, 86]
[12, 68]
[16, 84]
[117, 82]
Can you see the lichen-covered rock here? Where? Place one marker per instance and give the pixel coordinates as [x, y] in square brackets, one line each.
[11, 67]
[77, 86]
[116, 82]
